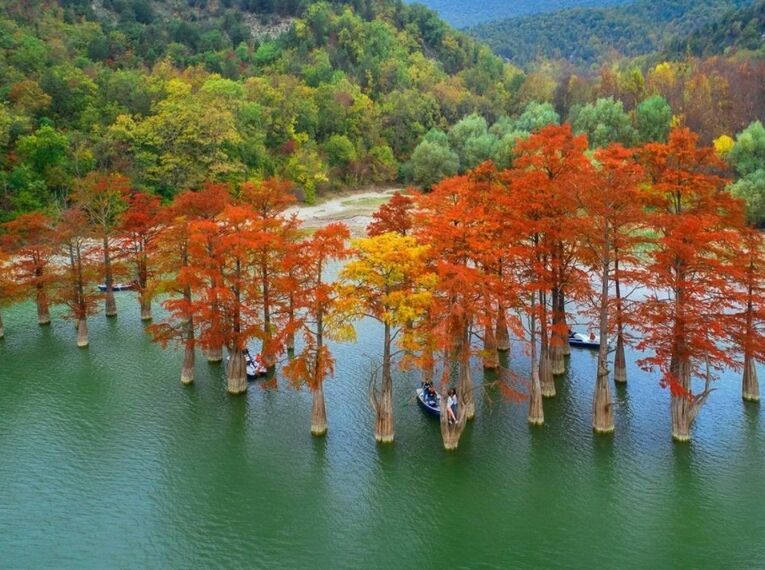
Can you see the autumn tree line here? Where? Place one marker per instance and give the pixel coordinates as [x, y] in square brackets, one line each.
[487, 258]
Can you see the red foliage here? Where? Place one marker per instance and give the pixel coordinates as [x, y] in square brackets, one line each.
[393, 216]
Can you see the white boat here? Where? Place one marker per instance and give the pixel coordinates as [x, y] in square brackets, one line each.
[580, 340]
[117, 286]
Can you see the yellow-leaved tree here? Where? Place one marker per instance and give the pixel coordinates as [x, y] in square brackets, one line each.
[388, 280]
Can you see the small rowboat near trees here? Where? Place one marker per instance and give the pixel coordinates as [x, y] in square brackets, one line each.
[117, 286]
[430, 404]
[580, 340]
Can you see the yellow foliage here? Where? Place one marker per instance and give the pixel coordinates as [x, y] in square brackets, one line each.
[723, 145]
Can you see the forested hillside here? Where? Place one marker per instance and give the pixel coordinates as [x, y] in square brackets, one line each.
[172, 94]
[461, 13]
[742, 29]
[594, 35]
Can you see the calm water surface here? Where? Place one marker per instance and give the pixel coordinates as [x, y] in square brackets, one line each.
[107, 461]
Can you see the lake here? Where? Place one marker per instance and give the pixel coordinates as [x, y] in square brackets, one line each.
[107, 461]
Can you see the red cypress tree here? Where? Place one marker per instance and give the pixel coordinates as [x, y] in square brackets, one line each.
[688, 273]
[29, 239]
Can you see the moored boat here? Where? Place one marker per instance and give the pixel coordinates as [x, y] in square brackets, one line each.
[430, 404]
[117, 286]
[579, 340]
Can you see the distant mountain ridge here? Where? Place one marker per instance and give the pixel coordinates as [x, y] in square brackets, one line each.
[587, 36]
[463, 13]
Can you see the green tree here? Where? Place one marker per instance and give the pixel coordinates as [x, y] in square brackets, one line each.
[536, 116]
[432, 162]
[748, 154]
[654, 119]
[604, 122]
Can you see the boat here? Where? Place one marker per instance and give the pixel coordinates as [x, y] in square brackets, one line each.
[255, 367]
[431, 406]
[117, 286]
[580, 340]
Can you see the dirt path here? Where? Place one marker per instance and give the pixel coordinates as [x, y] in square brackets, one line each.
[354, 209]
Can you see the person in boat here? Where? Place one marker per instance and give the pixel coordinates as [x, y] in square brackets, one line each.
[430, 393]
[451, 406]
[592, 337]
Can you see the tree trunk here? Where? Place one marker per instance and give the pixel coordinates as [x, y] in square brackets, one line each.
[490, 354]
[558, 339]
[465, 380]
[214, 354]
[502, 334]
[110, 305]
[290, 341]
[236, 374]
[602, 408]
[2, 327]
[384, 431]
[318, 411]
[145, 307]
[187, 371]
[536, 411]
[545, 369]
[683, 408]
[564, 324]
[82, 333]
[43, 308]
[620, 362]
[750, 384]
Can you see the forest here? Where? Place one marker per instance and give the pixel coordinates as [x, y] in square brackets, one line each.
[461, 14]
[494, 256]
[163, 148]
[591, 36]
[337, 97]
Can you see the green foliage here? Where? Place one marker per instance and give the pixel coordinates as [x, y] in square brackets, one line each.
[751, 188]
[536, 116]
[654, 119]
[176, 93]
[431, 162]
[740, 29]
[604, 122]
[748, 154]
[592, 35]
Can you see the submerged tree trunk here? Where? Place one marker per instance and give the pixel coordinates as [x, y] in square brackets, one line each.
[145, 307]
[564, 324]
[318, 411]
[545, 369]
[110, 305]
[383, 404]
[750, 387]
[451, 431]
[536, 411]
[43, 306]
[2, 327]
[502, 334]
[82, 332]
[187, 370]
[750, 384]
[214, 354]
[490, 354]
[620, 362]
[558, 339]
[684, 408]
[465, 380]
[236, 374]
[602, 408]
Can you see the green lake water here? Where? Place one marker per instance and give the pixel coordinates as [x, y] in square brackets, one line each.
[106, 461]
